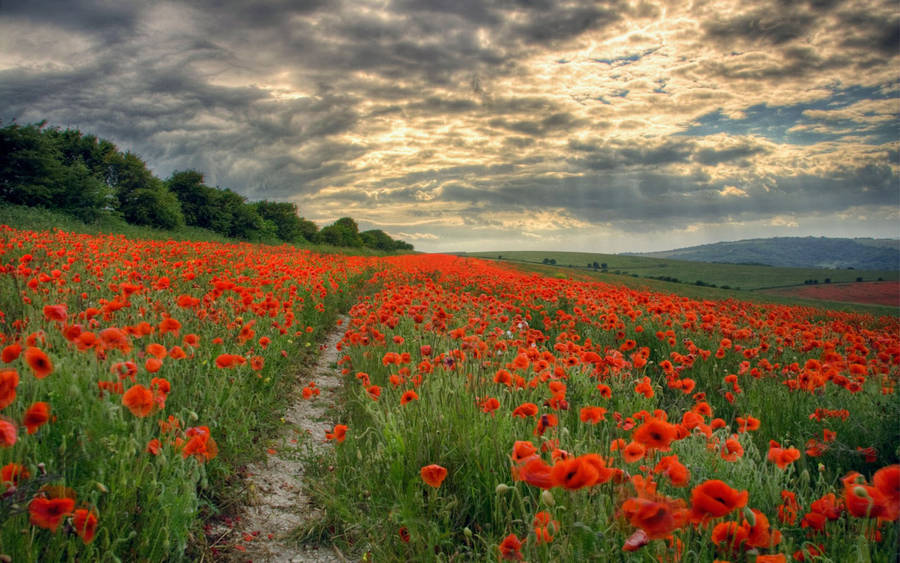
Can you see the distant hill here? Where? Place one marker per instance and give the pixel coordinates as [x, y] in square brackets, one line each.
[794, 252]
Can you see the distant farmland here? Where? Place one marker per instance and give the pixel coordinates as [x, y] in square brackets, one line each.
[743, 277]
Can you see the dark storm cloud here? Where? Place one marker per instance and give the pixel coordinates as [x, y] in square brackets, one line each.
[763, 25]
[657, 201]
[362, 106]
[115, 19]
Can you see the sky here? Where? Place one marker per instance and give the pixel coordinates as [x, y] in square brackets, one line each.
[464, 125]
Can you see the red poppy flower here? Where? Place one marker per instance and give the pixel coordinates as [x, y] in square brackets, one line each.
[13, 473]
[8, 433]
[782, 457]
[157, 350]
[657, 517]
[139, 400]
[229, 360]
[85, 523]
[525, 410]
[408, 396]
[55, 313]
[573, 474]
[11, 353]
[655, 434]
[714, 498]
[523, 450]
[535, 472]
[38, 361]
[48, 513]
[633, 452]
[200, 444]
[36, 416]
[433, 475]
[339, 433]
[592, 414]
[510, 548]
[153, 365]
[9, 380]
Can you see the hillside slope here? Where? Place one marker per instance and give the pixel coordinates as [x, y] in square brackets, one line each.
[795, 252]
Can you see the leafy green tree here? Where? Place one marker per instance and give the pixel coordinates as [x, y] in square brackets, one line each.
[244, 222]
[283, 215]
[34, 171]
[142, 198]
[377, 239]
[343, 232]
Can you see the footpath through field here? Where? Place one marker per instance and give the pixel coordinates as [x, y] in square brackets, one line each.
[277, 502]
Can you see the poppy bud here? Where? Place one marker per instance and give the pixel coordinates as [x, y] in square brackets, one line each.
[101, 487]
[750, 516]
[501, 488]
[467, 532]
[547, 498]
[861, 492]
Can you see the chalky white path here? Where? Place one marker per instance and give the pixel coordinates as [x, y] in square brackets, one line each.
[277, 501]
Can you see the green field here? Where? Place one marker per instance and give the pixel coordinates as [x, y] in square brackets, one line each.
[734, 276]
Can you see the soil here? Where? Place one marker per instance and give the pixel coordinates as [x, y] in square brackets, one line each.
[277, 503]
[876, 293]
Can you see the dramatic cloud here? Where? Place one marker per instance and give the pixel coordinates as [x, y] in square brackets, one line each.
[462, 125]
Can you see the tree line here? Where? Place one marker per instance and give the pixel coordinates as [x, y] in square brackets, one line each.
[87, 176]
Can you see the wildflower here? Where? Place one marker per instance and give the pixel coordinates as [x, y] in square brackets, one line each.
[732, 449]
[544, 527]
[780, 456]
[8, 433]
[592, 414]
[433, 475]
[546, 421]
[535, 472]
[658, 518]
[169, 325]
[13, 472]
[38, 361]
[153, 446]
[36, 416]
[510, 548]
[11, 353]
[339, 433]
[85, 523]
[157, 350]
[229, 360]
[55, 313]
[139, 400]
[48, 513]
[655, 434]
[714, 498]
[525, 410]
[489, 405]
[200, 444]
[113, 338]
[677, 473]
[408, 396]
[633, 452]
[573, 474]
[9, 380]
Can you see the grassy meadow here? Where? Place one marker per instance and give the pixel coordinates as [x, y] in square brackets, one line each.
[735, 276]
[487, 412]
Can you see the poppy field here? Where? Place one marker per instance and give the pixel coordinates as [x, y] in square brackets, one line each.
[486, 413]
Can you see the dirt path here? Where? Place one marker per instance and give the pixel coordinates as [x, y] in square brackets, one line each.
[277, 503]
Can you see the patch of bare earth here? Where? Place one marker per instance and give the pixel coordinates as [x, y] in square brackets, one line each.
[277, 504]
[874, 293]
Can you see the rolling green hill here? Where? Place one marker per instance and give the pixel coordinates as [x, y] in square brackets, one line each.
[735, 276]
[795, 252]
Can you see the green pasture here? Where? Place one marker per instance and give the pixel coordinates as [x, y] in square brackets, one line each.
[734, 276]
